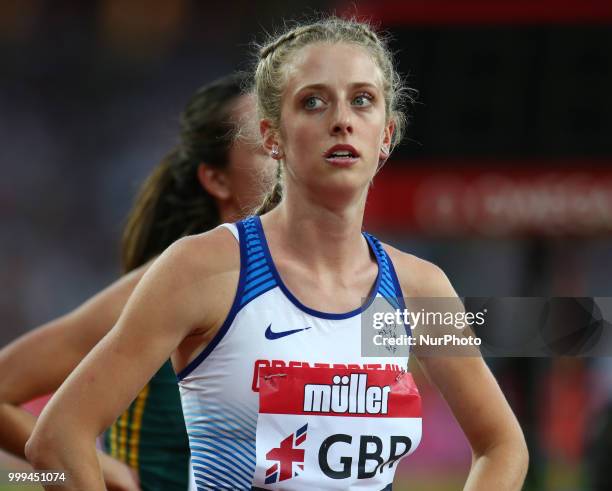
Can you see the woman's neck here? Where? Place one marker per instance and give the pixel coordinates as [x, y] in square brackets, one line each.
[320, 236]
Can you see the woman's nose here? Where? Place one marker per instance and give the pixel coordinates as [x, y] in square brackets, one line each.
[341, 123]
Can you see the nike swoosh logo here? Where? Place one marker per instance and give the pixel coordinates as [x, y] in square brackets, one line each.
[277, 335]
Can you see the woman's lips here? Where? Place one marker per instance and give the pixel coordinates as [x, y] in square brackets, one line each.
[342, 161]
[342, 155]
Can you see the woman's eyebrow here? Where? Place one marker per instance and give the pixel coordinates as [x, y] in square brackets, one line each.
[322, 86]
[304, 88]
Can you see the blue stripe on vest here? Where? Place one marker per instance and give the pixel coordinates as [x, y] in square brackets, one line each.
[259, 276]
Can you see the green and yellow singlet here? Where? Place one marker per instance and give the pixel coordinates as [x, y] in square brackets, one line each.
[150, 435]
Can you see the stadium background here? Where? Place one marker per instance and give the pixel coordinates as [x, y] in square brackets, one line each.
[503, 180]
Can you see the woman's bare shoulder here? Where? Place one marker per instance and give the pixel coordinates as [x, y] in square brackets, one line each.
[419, 277]
[196, 274]
[210, 253]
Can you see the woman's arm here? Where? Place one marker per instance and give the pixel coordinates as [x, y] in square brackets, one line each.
[499, 453]
[37, 363]
[181, 293]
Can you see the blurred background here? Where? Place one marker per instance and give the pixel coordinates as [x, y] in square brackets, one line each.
[504, 179]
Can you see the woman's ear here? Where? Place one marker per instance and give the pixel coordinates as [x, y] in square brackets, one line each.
[385, 146]
[214, 182]
[270, 139]
[388, 135]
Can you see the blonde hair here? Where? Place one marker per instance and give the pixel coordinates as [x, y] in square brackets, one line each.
[276, 53]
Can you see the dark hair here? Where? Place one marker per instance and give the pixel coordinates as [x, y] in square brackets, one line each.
[171, 202]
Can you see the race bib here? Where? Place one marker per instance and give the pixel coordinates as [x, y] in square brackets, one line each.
[334, 428]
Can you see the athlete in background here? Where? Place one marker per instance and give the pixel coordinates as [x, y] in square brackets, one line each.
[290, 291]
[212, 176]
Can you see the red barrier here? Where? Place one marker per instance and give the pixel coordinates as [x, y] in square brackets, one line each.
[492, 200]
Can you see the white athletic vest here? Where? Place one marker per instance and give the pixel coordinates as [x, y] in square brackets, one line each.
[282, 399]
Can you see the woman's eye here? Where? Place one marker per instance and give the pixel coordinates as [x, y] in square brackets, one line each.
[313, 102]
[362, 100]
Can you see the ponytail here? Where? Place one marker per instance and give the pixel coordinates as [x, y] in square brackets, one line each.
[171, 202]
[163, 212]
[141, 218]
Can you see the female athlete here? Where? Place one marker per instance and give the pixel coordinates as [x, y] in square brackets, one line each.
[208, 178]
[264, 317]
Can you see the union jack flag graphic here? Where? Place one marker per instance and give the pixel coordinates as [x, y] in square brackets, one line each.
[289, 460]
